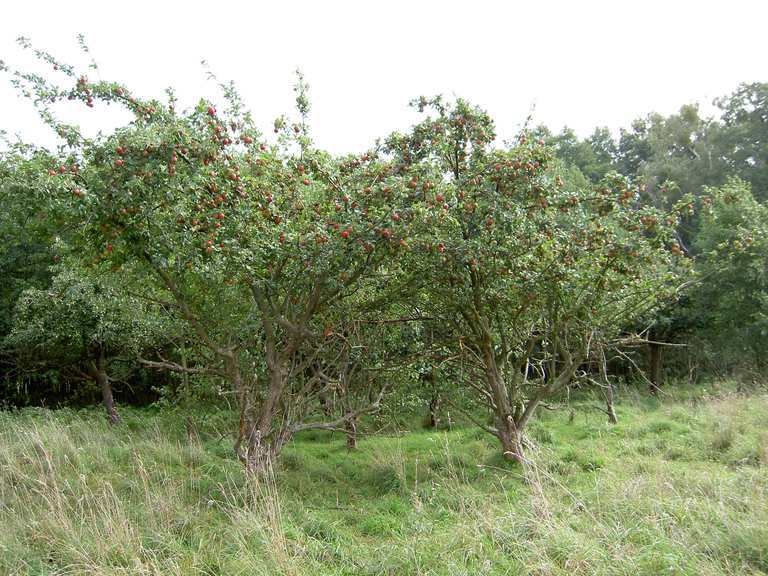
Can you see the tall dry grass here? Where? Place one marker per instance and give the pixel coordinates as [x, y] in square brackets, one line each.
[679, 487]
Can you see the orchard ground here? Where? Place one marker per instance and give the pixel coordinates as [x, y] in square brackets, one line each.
[678, 486]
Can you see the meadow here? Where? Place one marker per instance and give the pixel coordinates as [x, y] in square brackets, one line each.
[678, 486]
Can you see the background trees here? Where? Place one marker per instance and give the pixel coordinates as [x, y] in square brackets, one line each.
[729, 306]
[743, 138]
[25, 254]
[85, 327]
[686, 153]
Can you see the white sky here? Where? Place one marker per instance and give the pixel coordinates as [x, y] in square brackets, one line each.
[582, 63]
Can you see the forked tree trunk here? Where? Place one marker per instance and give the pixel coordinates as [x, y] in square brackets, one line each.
[507, 430]
[265, 438]
[99, 374]
[513, 415]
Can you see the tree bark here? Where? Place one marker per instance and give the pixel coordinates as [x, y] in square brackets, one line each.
[265, 440]
[511, 439]
[350, 429]
[513, 413]
[612, 418]
[326, 405]
[99, 374]
[259, 455]
[607, 389]
[434, 410]
[263, 449]
[507, 430]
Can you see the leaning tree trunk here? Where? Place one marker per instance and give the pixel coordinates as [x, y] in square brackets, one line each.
[609, 408]
[512, 415]
[655, 366]
[99, 374]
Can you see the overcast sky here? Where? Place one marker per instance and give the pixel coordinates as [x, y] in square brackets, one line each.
[581, 63]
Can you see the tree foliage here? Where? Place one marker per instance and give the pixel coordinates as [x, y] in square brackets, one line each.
[730, 304]
[490, 276]
[530, 278]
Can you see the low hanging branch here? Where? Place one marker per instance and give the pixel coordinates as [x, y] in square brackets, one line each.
[354, 414]
[174, 367]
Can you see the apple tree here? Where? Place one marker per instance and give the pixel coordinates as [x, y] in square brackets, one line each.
[528, 278]
[255, 246]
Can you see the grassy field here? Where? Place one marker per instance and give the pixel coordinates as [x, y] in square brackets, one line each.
[679, 486]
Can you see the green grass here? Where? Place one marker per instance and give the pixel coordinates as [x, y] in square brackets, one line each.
[679, 486]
